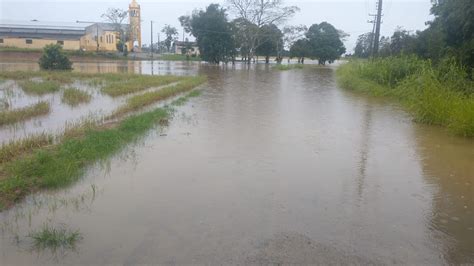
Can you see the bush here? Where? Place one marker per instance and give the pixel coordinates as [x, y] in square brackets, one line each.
[53, 58]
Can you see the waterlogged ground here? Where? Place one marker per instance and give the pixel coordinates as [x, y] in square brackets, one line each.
[264, 167]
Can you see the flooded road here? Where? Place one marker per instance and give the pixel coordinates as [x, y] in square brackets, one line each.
[265, 167]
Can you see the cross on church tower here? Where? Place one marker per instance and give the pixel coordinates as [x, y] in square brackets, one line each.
[135, 25]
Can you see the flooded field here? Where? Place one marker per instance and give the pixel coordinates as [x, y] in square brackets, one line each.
[264, 167]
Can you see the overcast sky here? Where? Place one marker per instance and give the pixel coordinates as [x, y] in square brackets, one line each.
[348, 15]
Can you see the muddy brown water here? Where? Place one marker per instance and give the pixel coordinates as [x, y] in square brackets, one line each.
[265, 167]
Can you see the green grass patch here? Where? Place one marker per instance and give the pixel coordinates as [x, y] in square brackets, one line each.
[135, 84]
[427, 93]
[282, 67]
[14, 149]
[178, 57]
[39, 87]
[139, 101]
[52, 238]
[22, 114]
[73, 97]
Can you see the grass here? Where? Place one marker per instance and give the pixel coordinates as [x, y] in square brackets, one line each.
[424, 90]
[65, 162]
[14, 149]
[73, 97]
[22, 114]
[139, 101]
[288, 67]
[136, 83]
[178, 57]
[55, 238]
[39, 87]
[182, 100]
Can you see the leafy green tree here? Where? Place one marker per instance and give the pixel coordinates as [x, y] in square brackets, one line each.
[364, 44]
[325, 42]
[300, 49]
[454, 19]
[213, 34]
[270, 42]
[171, 36]
[53, 58]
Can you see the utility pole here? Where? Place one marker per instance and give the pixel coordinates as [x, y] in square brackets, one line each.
[151, 44]
[377, 28]
[159, 45]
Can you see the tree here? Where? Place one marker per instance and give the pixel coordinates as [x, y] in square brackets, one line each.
[364, 44]
[171, 35]
[454, 19]
[53, 58]
[325, 42]
[300, 49]
[213, 34]
[270, 42]
[243, 32]
[292, 34]
[117, 17]
[402, 42]
[260, 13]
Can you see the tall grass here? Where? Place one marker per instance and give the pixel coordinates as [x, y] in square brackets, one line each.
[430, 93]
[139, 101]
[21, 114]
[39, 87]
[73, 96]
[14, 149]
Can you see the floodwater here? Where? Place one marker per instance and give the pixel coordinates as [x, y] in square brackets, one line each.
[266, 166]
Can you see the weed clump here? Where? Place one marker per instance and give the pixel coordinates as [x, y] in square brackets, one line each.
[74, 97]
[52, 238]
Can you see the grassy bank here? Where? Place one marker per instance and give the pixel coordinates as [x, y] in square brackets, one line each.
[25, 113]
[441, 95]
[136, 83]
[61, 164]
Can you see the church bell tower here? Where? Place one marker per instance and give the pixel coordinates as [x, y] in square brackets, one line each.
[135, 26]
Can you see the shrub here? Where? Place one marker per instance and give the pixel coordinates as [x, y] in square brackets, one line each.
[53, 58]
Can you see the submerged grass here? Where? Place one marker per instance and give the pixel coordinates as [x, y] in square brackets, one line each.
[139, 101]
[431, 99]
[61, 164]
[74, 97]
[39, 87]
[288, 67]
[52, 238]
[21, 114]
[136, 84]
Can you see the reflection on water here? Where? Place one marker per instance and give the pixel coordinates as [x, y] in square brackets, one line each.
[270, 167]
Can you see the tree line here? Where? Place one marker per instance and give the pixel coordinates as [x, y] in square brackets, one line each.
[450, 35]
[254, 32]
